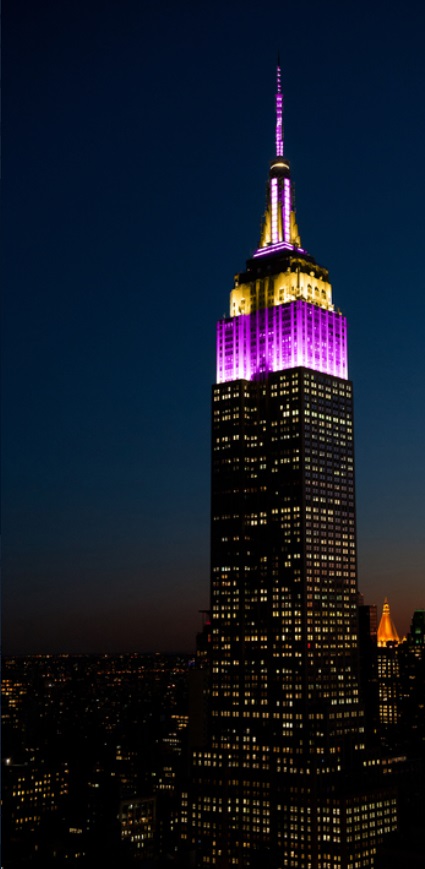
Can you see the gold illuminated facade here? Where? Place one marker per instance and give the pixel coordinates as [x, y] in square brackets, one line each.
[283, 779]
[300, 280]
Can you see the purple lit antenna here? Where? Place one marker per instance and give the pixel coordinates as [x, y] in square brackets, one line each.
[279, 232]
[279, 108]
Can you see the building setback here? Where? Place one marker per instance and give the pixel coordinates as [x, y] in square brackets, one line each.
[283, 780]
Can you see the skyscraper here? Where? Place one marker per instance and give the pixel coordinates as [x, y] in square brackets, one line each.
[389, 688]
[282, 778]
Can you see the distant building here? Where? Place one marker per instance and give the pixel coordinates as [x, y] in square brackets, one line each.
[417, 631]
[199, 687]
[368, 659]
[32, 791]
[412, 678]
[388, 669]
[137, 818]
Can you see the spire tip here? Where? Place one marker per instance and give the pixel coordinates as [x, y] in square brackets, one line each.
[279, 100]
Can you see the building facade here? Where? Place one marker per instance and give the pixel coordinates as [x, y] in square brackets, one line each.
[282, 781]
[368, 657]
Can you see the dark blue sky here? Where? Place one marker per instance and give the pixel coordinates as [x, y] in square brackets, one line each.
[136, 141]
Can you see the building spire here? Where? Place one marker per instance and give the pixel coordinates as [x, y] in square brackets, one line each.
[387, 632]
[279, 229]
[279, 111]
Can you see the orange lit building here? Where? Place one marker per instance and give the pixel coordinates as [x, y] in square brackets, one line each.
[387, 632]
[388, 669]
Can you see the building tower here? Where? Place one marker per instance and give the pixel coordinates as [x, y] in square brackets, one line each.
[387, 631]
[368, 659]
[389, 687]
[280, 783]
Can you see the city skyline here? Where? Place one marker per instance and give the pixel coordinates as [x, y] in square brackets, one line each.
[118, 259]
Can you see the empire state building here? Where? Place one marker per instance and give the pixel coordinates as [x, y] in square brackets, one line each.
[282, 777]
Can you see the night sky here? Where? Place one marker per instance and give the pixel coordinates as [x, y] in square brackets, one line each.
[136, 142]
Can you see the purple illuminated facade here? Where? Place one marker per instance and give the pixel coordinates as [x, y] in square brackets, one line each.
[277, 774]
[283, 336]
